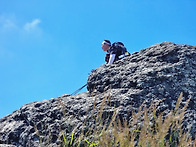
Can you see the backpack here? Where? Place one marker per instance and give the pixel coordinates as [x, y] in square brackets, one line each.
[118, 49]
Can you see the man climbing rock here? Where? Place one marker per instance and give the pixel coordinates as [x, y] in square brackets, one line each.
[115, 52]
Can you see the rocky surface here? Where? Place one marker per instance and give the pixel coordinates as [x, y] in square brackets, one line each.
[5, 145]
[161, 71]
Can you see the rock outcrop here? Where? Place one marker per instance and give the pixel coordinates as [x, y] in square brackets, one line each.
[161, 71]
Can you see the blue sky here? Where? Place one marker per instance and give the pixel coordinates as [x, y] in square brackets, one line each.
[48, 48]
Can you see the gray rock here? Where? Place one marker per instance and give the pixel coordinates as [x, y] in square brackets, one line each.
[161, 71]
[6, 145]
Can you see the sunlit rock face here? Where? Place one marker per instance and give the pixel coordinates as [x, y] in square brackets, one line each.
[159, 72]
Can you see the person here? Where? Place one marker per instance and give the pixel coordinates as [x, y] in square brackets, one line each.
[115, 52]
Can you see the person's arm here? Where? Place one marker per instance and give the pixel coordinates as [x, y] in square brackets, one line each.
[112, 57]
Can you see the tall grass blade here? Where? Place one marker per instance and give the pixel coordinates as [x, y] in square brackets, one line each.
[65, 141]
[72, 138]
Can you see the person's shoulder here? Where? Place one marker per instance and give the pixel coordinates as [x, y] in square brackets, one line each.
[112, 50]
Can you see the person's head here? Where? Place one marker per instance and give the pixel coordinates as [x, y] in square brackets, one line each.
[106, 45]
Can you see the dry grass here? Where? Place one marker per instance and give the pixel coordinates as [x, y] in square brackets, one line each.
[145, 129]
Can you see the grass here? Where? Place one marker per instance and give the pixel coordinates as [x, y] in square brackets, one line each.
[147, 128]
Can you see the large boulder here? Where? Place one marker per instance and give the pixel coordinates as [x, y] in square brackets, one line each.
[161, 71]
